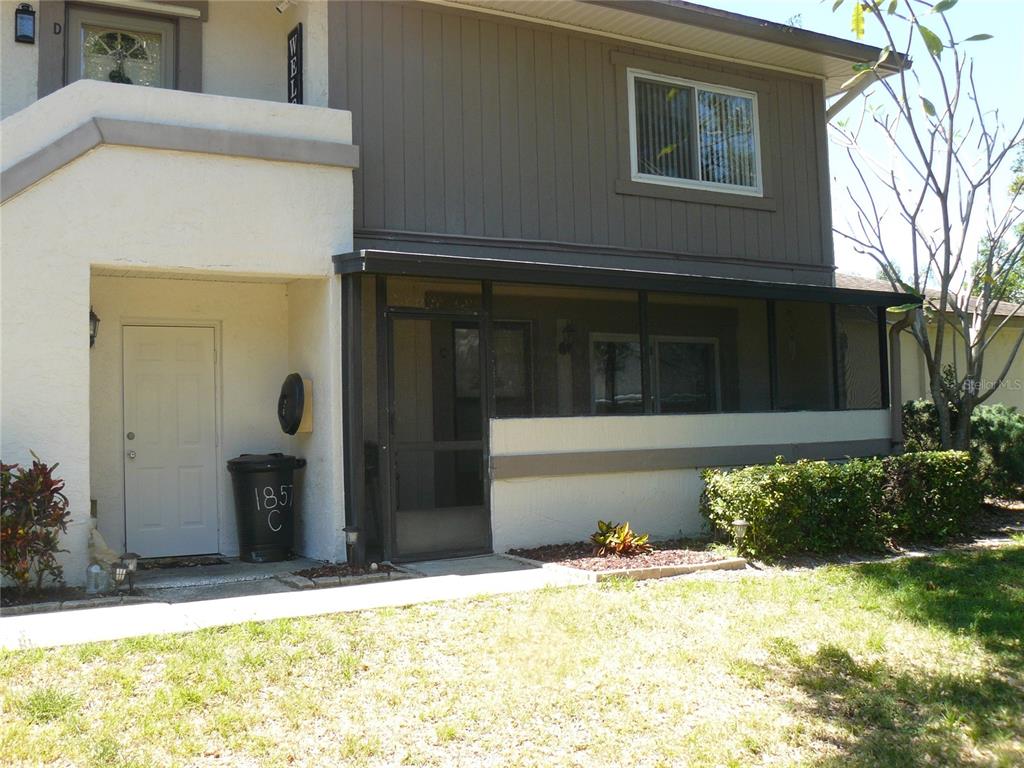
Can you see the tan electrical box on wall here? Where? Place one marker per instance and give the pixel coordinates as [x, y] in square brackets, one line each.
[306, 424]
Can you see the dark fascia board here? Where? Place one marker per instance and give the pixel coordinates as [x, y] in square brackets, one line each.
[682, 12]
[402, 263]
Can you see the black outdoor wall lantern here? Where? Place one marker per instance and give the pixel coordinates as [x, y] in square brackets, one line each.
[94, 327]
[24, 24]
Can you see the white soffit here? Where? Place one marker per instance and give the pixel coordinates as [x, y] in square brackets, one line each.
[834, 67]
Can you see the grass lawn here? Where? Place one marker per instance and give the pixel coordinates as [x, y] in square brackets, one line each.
[919, 662]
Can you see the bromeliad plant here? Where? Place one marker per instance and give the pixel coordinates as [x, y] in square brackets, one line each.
[619, 540]
[33, 514]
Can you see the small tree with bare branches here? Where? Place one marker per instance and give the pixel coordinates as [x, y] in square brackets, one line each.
[946, 197]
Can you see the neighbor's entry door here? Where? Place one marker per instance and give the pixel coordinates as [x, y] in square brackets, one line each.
[169, 440]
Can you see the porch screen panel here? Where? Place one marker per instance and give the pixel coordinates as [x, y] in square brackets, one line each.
[565, 351]
[859, 357]
[803, 333]
[437, 479]
[728, 148]
[665, 139]
[708, 354]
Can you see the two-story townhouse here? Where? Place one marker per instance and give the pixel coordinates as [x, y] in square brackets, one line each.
[593, 254]
[586, 252]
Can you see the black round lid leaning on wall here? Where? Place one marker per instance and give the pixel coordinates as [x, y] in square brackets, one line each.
[291, 403]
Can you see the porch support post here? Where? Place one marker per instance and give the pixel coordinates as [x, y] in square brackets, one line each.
[833, 320]
[646, 391]
[773, 363]
[352, 408]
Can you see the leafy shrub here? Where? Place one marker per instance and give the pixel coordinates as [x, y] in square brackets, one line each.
[33, 514]
[928, 495]
[997, 441]
[619, 540]
[997, 436]
[806, 506]
[863, 504]
[920, 426]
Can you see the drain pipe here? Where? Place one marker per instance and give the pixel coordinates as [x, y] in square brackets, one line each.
[352, 419]
[895, 383]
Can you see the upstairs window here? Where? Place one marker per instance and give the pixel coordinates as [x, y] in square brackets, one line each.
[693, 135]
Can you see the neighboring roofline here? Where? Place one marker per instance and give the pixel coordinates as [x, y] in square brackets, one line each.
[692, 14]
[475, 268]
[1002, 309]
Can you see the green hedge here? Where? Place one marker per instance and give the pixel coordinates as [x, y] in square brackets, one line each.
[997, 441]
[859, 505]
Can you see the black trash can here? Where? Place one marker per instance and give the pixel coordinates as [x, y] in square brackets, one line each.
[264, 486]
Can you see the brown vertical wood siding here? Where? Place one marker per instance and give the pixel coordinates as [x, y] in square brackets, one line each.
[476, 125]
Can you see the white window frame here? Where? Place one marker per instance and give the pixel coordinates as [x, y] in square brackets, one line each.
[669, 181]
[78, 17]
[655, 360]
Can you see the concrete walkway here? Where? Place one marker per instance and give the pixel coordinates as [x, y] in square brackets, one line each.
[442, 580]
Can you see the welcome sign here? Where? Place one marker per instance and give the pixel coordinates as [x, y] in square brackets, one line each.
[295, 65]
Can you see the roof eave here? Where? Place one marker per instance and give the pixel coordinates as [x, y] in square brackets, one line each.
[434, 265]
[728, 22]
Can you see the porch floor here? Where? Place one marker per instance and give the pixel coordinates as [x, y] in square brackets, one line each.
[230, 572]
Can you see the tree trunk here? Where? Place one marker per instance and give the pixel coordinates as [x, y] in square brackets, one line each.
[962, 438]
[942, 409]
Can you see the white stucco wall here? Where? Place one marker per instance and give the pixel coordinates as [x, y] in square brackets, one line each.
[251, 324]
[44, 366]
[141, 211]
[245, 50]
[314, 344]
[532, 511]
[19, 64]
[238, 216]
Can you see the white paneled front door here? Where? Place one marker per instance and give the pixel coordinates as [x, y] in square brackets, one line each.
[170, 454]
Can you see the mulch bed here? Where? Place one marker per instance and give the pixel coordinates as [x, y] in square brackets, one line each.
[11, 597]
[997, 517]
[340, 570]
[580, 555]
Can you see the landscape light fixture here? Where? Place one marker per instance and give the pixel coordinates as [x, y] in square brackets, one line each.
[739, 529]
[354, 556]
[126, 567]
[119, 572]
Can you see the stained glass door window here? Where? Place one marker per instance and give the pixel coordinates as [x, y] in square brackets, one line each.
[120, 49]
[121, 57]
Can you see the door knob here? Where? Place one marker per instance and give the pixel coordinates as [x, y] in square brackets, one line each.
[131, 454]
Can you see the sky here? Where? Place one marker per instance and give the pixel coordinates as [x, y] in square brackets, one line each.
[999, 73]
